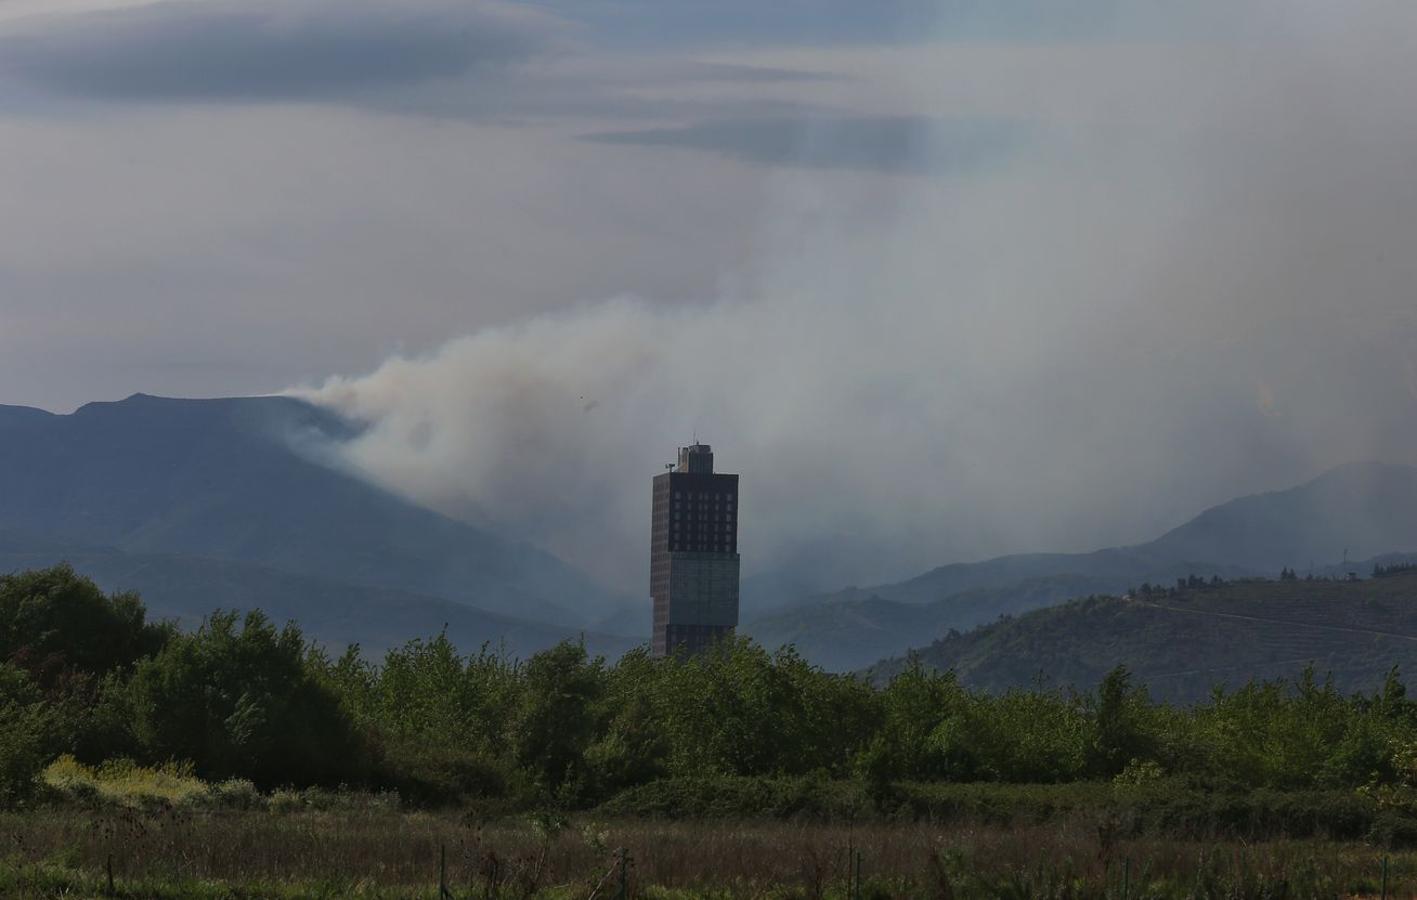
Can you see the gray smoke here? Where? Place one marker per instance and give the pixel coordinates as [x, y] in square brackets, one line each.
[1196, 281]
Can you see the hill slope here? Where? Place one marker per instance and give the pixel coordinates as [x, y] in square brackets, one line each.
[1368, 506]
[1362, 510]
[242, 480]
[188, 588]
[1182, 643]
[858, 628]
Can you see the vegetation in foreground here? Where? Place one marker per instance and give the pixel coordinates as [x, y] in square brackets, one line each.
[240, 700]
[239, 758]
[384, 853]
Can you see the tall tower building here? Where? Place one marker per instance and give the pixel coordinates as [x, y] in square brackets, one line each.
[693, 568]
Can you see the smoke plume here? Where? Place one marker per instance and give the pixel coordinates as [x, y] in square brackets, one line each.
[1195, 280]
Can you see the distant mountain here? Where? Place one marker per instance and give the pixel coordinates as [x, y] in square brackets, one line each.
[1182, 643]
[1367, 508]
[250, 481]
[1361, 510]
[857, 627]
[189, 588]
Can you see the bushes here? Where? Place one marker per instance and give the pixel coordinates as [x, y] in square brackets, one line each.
[556, 720]
[739, 710]
[122, 782]
[438, 775]
[58, 625]
[246, 702]
[26, 733]
[240, 702]
[1168, 806]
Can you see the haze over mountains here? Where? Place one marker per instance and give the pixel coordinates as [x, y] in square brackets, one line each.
[1359, 510]
[238, 503]
[201, 504]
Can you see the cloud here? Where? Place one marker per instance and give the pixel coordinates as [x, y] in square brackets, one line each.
[1060, 347]
[482, 60]
[905, 144]
[819, 22]
[1059, 352]
[268, 49]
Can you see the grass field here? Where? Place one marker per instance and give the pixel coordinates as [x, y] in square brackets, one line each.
[164, 833]
[377, 852]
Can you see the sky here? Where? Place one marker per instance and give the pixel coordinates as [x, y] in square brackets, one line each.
[942, 278]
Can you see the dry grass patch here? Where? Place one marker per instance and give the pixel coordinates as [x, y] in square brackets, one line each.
[386, 853]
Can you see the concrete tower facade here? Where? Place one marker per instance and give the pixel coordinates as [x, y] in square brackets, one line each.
[693, 554]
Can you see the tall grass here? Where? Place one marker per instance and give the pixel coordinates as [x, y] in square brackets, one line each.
[386, 853]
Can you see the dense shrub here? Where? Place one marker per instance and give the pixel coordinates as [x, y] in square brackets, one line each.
[438, 774]
[122, 782]
[556, 720]
[58, 625]
[26, 733]
[239, 701]
[1168, 807]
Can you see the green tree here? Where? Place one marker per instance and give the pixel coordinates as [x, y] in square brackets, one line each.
[26, 735]
[239, 701]
[1020, 736]
[1120, 718]
[60, 627]
[913, 707]
[435, 721]
[631, 747]
[555, 722]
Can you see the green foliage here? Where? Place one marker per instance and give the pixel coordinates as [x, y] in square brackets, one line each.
[254, 707]
[1022, 736]
[435, 723]
[122, 782]
[1124, 730]
[26, 732]
[57, 625]
[631, 747]
[555, 721]
[739, 710]
[1309, 735]
[914, 707]
[239, 701]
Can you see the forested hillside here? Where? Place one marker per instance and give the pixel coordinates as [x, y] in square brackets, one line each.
[1354, 512]
[1181, 640]
[857, 627]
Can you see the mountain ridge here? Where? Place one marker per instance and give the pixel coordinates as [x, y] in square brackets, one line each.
[1374, 503]
[1182, 642]
[187, 589]
[254, 480]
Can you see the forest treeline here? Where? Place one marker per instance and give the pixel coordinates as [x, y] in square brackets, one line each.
[85, 673]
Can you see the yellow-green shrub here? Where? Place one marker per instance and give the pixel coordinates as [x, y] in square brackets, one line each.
[125, 783]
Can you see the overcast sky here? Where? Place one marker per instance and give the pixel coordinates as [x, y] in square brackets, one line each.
[943, 279]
